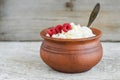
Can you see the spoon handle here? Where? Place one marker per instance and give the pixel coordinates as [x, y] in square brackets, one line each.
[93, 14]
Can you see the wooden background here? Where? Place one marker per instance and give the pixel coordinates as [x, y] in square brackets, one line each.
[22, 20]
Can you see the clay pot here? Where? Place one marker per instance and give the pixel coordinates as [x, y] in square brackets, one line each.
[71, 55]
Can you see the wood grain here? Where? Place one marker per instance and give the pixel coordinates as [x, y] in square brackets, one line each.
[22, 20]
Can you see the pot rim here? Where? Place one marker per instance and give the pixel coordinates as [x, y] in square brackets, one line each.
[96, 31]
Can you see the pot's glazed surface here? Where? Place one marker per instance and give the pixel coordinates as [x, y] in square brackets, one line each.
[71, 55]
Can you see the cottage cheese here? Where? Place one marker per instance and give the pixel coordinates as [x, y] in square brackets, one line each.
[76, 32]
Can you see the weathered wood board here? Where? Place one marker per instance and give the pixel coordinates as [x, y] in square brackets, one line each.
[23, 19]
[21, 61]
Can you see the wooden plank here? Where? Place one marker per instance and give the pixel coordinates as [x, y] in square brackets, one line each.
[29, 28]
[21, 61]
[24, 19]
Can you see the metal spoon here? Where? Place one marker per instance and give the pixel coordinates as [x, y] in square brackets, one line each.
[94, 14]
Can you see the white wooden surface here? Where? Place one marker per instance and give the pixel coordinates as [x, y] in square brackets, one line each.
[21, 61]
[24, 19]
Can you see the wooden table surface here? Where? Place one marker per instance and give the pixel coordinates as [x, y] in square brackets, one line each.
[21, 61]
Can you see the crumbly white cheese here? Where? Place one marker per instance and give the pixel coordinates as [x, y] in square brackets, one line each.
[76, 32]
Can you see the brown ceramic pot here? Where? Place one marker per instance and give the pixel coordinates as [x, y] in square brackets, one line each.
[71, 55]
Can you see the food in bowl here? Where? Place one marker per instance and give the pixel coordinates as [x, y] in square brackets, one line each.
[74, 52]
[69, 31]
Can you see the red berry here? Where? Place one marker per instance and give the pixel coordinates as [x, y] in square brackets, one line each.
[54, 31]
[58, 28]
[66, 27]
[51, 31]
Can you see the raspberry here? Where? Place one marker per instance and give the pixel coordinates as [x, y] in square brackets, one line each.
[58, 28]
[51, 31]
[66, 27]
[54, 31]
